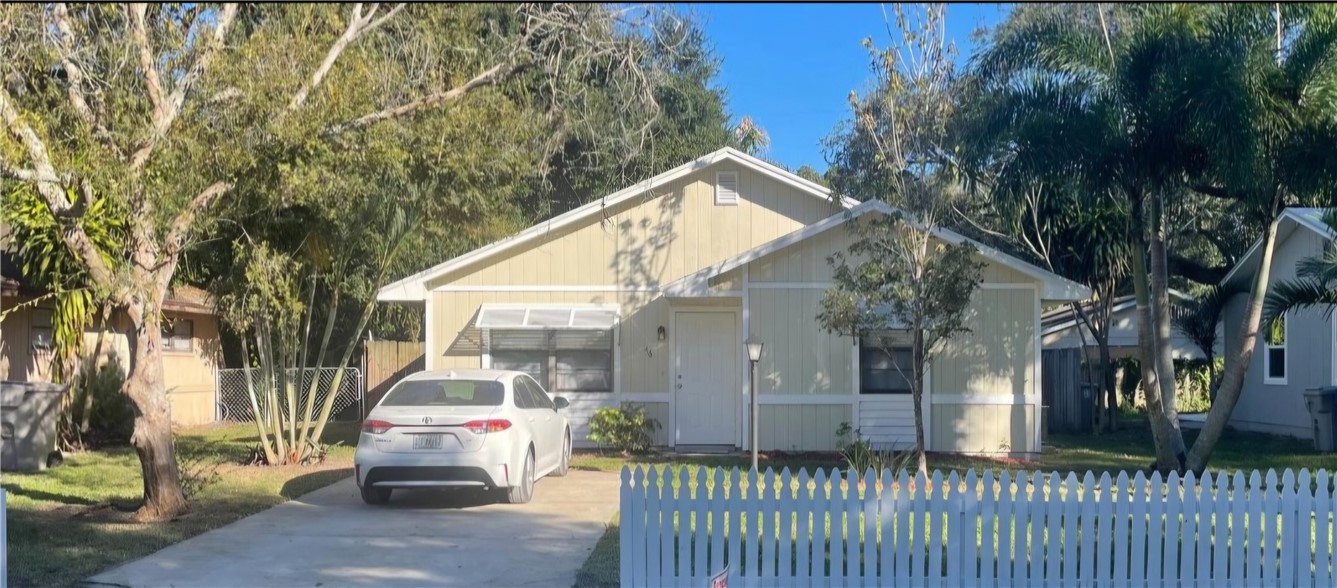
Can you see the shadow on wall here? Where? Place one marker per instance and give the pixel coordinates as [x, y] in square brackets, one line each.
[987, 356]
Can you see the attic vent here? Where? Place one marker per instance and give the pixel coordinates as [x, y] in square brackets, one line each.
[726, 188]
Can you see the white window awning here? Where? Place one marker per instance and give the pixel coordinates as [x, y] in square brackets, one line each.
[546, 316]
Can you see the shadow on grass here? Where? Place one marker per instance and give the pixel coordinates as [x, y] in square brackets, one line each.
[313, 481]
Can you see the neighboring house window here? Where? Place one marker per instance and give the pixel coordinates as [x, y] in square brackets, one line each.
[886, 363]
[560, 360]
[1274, 356]
[178, 335]
[40, 333]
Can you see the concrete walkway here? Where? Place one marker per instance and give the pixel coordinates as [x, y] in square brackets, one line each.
[423, 538]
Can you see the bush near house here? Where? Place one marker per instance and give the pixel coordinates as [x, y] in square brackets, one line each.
[625, 428]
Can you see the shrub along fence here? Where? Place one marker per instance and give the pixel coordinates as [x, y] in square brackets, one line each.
[1028, 529]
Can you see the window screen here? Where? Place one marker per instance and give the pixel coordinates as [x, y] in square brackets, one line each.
[886, 365]
[560, 360]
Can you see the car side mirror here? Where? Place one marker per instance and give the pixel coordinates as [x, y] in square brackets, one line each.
[561, 402]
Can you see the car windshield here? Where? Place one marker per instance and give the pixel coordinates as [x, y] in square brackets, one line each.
[445, 393]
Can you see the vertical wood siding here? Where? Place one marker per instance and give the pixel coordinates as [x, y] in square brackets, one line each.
[800, 356]
[996, 356]
[806, 427]
[647, 243]
[984, 428]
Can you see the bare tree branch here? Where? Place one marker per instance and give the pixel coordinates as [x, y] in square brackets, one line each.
[53, 193]
[77, 79]
[140, 37]
[493, 75]
[172, 106]
[357, 25]
[181, 225]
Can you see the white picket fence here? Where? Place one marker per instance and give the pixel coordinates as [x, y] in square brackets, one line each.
[1029, 529]
[4, 540]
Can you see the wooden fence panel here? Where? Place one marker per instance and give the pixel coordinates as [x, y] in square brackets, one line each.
[385, 363]
[1042, 530]
[1071, 406]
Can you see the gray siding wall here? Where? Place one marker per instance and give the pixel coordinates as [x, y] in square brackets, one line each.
[1280, 408]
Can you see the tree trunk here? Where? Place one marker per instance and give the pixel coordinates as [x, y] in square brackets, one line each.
[1169, 455]
[1107, 389]
[1241, 352]
[1160, 306]
[152, 438]
[917, 391]
[1211, 378]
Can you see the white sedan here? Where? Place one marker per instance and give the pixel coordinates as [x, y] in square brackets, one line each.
[463, 428]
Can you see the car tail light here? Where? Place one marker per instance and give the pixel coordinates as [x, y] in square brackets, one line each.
[375, 427]
[487, 426]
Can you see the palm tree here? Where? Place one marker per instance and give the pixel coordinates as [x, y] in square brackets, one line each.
[1145, 103]
[1197, 318]
[1070, 100]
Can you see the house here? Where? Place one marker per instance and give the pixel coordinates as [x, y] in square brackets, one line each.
[1060, 330]
[1299, 352]
[190, 346]
[646, 296]
[1068, 399]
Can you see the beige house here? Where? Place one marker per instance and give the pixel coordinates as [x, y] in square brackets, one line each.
[646, 296]
[191, 350]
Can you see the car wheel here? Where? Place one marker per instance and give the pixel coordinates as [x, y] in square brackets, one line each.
[524, 492]
[564, 465]
[374, 495]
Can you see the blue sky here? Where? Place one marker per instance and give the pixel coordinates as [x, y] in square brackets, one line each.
[791, 66]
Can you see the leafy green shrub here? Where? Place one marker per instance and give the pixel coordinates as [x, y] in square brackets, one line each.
[860, 455]
[99, 410]
[625, 428]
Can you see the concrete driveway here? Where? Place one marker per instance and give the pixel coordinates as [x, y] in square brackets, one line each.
[422, 538]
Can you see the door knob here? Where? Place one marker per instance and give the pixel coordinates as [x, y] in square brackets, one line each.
[680, 386]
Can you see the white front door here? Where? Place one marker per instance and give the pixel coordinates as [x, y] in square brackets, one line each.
[705, 353]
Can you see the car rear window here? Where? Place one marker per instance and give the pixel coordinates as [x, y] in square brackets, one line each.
[445, 393]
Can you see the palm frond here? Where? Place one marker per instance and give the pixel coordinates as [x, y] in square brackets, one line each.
[1298, 294]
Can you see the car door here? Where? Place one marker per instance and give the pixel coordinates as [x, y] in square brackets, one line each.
[545, 417]
[530, 406]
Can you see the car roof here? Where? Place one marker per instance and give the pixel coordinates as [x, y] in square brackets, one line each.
[464, 374]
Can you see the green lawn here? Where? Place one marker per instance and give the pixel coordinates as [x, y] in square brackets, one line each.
[64, 524]
[1127, 450]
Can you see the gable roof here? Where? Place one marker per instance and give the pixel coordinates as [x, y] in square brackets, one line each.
[1060, 319]
[412, 288]
[1290, 220]
[1054, 286]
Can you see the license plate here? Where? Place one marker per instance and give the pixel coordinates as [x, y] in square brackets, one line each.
[427, 441]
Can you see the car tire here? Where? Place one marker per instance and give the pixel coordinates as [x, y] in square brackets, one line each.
[523, 492]
[564, 465]
[374, 495]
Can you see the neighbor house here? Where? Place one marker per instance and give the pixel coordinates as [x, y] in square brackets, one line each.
[646, 296]
[190, 345]
[1061, 330]
[1069, 387]
[1295, 355]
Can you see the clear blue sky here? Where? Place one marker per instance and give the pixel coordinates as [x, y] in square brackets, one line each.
[791, 66]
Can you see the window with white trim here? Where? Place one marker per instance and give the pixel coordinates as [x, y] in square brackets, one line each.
[567, 360]
[1274, 351]
[178, 335]
[886, 363]
[726, 188]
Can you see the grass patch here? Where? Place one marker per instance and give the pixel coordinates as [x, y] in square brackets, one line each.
[600, 570]
[64, 525]
[1129, 449]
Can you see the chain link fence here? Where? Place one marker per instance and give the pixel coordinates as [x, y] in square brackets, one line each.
[234, 401]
